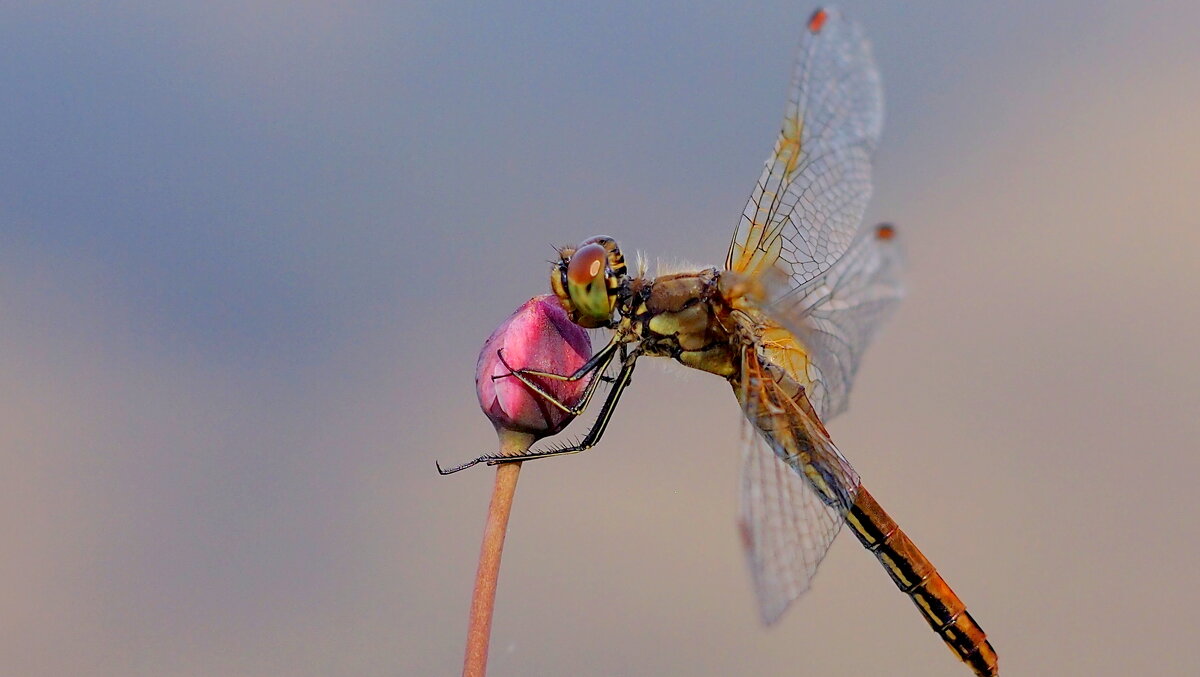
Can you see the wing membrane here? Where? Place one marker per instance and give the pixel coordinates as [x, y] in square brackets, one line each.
[829, 285]
[808, 203]
[837, 316]
[796, 487]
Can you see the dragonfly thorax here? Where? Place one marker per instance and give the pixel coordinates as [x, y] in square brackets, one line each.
[683, 316]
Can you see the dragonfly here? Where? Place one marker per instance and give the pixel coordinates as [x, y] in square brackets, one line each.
[804, 289]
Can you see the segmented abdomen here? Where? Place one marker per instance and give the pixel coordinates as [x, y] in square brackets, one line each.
[916, 576]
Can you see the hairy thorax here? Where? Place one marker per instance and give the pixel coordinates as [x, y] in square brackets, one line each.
[689, 317]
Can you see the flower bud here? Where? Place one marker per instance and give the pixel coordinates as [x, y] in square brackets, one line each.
[537, 336]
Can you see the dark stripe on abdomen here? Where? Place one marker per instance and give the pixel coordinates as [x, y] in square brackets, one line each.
[916, 576]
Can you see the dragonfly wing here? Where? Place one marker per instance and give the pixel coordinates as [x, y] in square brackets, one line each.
[808, 203]
[836, 317]
[786, 528]
[796, 488]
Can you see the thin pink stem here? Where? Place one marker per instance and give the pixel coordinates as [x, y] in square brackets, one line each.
[479, 628]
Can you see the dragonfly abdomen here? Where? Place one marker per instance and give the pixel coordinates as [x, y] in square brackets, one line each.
[916, 576]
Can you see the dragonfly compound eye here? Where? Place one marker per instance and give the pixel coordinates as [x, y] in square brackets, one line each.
[586, 277]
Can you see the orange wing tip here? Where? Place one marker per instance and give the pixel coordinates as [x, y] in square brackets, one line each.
[817, 21]
[885, 232]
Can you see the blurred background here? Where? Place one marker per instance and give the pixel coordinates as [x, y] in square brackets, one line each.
[249, 251]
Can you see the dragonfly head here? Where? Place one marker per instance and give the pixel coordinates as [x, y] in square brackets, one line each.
[587, 278]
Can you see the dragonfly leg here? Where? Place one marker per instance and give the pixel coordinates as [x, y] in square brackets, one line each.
[624, 356]
[589, 440]
[624, 359]
[597, 363]
[603, 355]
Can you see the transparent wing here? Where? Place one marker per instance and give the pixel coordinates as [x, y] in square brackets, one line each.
[810, 199]
[786, 528]
[796, 487]
[836, 317]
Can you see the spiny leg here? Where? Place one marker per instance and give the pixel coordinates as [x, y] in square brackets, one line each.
[603, 355]
[582, 371]
[624, 359]
[589, 440]
[597, 363]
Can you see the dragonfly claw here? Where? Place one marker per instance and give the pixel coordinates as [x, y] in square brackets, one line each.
[462, 466]
[500, 354]
[511, 372]
[486, 460]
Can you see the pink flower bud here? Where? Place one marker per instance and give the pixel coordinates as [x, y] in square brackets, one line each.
[538, 336]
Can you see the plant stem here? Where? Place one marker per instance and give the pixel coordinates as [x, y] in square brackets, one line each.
[483, 600]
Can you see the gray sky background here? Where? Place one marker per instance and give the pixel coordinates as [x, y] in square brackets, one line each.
[248, 253]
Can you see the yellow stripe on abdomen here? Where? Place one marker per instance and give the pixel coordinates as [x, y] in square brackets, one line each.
[916, 576]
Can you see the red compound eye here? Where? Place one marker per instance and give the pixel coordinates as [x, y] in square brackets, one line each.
[587, 265]
[587, 286]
